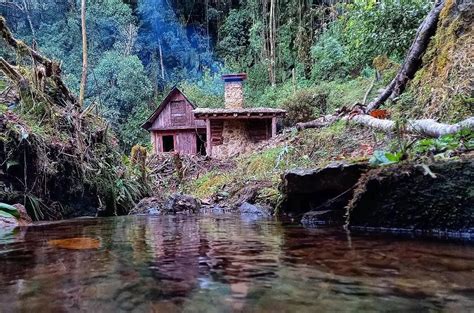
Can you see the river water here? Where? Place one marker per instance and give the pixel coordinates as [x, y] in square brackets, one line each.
[228, 264]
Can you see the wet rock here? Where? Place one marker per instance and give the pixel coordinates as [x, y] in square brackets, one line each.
[24, 219]
[179, 203]
[320, 189]
[432, 197]
[254, 209]
[324, 218]
[247, 193]
[149, 206]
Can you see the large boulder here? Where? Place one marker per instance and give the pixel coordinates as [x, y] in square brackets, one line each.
[323, 189]
[434, 196]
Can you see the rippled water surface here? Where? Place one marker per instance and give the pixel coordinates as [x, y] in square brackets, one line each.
[226, 264]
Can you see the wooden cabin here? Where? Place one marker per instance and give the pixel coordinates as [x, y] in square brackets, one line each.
[173, 127]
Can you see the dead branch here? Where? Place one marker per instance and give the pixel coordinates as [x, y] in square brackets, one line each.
[413, 59]
[10, 71]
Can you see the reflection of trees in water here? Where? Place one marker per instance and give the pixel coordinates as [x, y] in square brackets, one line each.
[217, 264]
[374, 271]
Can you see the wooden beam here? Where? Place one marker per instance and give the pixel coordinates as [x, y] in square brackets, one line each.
[208, 138]
[274, 126]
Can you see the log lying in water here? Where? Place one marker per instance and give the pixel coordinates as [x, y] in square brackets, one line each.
[438, 196]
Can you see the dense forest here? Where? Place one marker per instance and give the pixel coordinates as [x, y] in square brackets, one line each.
[323, 61]
[291, 50]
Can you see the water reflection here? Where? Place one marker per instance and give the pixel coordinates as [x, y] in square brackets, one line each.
[226, 264]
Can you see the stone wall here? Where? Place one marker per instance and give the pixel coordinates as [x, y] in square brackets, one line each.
[235, 140]
[234, 96]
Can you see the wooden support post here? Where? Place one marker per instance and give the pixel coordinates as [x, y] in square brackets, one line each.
[153, 141]
[208, 138]
[274, 126]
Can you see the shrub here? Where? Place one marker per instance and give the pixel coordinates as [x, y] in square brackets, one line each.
[304, 106]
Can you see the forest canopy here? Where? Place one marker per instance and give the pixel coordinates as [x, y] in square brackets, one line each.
[139, 49]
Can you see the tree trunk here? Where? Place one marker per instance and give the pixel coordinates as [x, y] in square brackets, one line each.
[413, 59]
[425, 127]
[272, 39]
[162, 65]
[84, 54]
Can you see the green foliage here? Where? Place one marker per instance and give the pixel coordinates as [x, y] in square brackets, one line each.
[329, 55]
[446, 143]
[120, 84]
[208, 184]
[8, 211]
[132, 132]
[208, 92]
[364, 32]
[304, 106]
[234, 36]
[385, 158]
[371, 30]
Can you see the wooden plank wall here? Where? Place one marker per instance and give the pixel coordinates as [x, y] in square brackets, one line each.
[217, 127]
[184, 141]
[178, 112]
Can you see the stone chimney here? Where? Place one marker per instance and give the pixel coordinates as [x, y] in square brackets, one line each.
[234, 93]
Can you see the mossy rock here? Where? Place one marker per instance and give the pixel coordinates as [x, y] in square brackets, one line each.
[438, 196]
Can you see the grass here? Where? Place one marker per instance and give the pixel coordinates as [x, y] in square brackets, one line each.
[308, 149]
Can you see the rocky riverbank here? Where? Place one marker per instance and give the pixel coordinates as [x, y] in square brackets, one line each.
[435, 196]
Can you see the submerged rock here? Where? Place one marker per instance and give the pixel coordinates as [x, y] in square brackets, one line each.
[324, 217]
[321, 189]
[438, 196]
[148, 206]
[254, 209]
[179, 203]
[176, 203]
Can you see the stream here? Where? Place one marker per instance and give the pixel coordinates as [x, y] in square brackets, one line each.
[227, 263]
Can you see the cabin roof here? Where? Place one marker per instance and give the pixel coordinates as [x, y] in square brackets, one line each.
[201, 113]
[159, 109]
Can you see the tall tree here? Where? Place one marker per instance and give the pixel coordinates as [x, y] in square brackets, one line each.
[84, 54]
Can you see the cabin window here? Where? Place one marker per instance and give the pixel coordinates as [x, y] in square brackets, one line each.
[178, 113]
[168, 143]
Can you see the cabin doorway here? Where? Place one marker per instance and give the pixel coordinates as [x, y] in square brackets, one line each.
[168, 143]
[201, 144]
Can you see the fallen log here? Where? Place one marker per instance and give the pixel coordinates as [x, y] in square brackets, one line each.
[52, 68]
[413, 59]
[425, 127]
